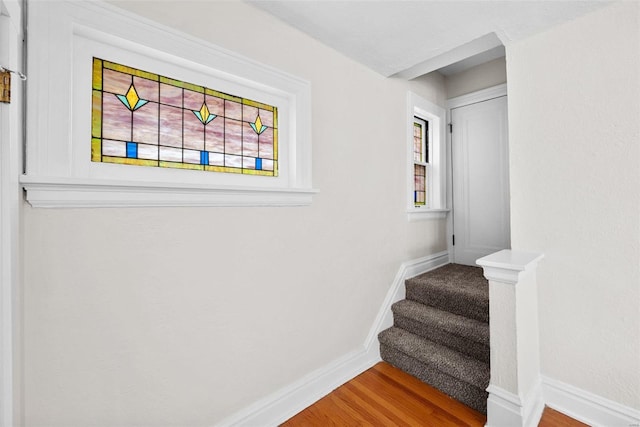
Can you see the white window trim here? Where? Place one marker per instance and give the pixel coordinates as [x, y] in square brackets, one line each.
[436, 179]
[59, 171]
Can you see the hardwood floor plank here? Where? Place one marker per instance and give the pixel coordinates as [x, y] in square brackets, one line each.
[369, 403]
[553, 418]
[385, 396]
[412, 405]
[398, 413]
[436, 415]
[434, 396]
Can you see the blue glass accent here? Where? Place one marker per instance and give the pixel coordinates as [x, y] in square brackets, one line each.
[255, 128]
[258, 164]
[211, 117]
[140, 103]
[415, 197]
[204, 157]
[198, 115]
[124, 100]
[132, 150]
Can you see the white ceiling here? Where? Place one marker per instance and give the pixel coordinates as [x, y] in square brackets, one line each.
[411, 38]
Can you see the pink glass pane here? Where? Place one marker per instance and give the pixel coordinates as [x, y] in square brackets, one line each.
[267, 117]
[116, 82]
[232, 161]
[149, 152]
[145, 124]
[267, 165]
[193, 100]
[116, 119]
[147, 89]
[248, 162]
[420, 178]
[170, 154]
[193, 131]
[233, 136]
[191, 156]
[114, 148]
[249, 114]
[417, 142]
[266, 144]
[232, 110]
[170, 95]
[214, 134]
[170, 126]
[249, 141]
[215, 105]
[216, 159]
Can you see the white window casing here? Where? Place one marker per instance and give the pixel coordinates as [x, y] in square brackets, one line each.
[435, 206]
[63, 39]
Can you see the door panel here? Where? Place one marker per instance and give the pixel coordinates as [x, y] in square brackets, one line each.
[480, 180]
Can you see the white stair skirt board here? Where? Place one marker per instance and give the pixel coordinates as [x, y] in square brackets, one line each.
[509, 410]
[289, 400]
[587, 407]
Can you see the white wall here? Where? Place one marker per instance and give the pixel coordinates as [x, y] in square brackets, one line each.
[481, 76]
[178, 316]
[574, 111]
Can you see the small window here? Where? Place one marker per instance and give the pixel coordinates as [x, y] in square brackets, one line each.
[426, 175]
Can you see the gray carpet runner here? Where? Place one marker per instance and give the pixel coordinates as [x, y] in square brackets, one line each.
[440, 333]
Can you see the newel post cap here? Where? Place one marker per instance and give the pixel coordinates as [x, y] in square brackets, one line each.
[506, 265]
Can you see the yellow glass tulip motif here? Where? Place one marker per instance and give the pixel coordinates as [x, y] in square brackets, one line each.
[204, 115]
[257, 126]
[131, 100]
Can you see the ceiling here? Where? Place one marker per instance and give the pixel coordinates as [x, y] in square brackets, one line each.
[411, 38]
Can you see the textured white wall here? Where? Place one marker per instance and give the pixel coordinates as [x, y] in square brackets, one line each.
[574, 111]
[481, 76]
[183, 316]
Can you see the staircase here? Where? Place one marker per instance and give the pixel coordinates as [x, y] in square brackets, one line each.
[440, 333]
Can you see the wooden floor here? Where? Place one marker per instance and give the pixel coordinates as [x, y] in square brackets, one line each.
[386, 396]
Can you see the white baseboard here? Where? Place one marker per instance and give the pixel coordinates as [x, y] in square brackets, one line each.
[288, 401]
[396, 292]
[506, 409]
[587, 407]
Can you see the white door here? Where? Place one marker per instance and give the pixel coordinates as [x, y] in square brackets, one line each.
[480, 180]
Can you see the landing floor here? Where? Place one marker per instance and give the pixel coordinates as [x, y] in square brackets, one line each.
[386, 396]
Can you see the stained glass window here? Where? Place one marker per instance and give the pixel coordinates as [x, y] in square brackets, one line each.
[420, 160]
[142, 118]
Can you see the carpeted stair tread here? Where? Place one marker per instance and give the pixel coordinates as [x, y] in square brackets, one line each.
[436, 356]
[467, 336]
[471, 396]
[459, 289]
[471, 329]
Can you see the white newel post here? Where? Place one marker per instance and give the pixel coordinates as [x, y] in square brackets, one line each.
[515, 394]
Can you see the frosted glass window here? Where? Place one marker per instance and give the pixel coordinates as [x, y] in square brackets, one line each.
[145, 119]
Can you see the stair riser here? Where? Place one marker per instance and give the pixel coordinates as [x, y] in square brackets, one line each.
[433, 333]
[452, 303]
[468, 394]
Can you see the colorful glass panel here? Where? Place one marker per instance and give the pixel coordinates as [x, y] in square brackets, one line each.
[141, 118]
[417, 141]
[420, 185]
[420, 159]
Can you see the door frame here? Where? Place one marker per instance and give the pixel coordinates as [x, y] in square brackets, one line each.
[11, 140]
[461, 101]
